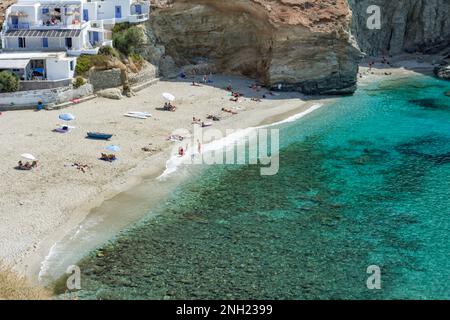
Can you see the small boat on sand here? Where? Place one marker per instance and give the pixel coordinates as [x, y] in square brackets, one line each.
[99, 135]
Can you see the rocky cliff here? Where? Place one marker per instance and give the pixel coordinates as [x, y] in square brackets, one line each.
[407, 25]
[4, 4]
[303, 45]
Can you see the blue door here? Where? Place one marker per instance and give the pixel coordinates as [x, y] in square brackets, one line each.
[95, 37]
[138, 9]
[118, 12]
[45, 42]
[15, 22]
[85, 14]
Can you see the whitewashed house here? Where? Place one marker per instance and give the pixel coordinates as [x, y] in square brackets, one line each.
[73, 27]
[39, 70]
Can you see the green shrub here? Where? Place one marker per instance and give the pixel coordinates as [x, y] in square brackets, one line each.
[9, 82]
[84, 63]
[108, 51]
[79, 81]
[128, 40]
[136, 57]
[119, 27]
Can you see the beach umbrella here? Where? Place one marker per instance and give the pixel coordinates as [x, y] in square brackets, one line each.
[168, 96]
[67, 117]
[28, 156]
[113, 148]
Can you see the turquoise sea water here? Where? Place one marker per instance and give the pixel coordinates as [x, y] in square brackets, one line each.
[364, 181]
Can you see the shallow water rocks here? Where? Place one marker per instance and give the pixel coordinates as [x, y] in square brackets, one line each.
[304, 46]
[442, 72]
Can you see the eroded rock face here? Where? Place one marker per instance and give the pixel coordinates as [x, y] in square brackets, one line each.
[407, 25]
[304, 45]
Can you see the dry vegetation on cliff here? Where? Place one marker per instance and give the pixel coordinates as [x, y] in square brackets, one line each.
[4, 4]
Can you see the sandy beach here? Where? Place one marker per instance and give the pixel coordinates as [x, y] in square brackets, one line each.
[38, 207]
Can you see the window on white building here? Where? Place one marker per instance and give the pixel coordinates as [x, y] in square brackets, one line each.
[22, 43]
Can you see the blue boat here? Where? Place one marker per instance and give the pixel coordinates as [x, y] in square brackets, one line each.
[99, 136]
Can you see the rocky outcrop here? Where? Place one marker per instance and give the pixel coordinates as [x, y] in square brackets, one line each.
[4, 4]
[442, 72]
[111, 78]
[407, 25]
[303, 45]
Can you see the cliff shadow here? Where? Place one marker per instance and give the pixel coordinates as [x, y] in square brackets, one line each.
[245, 87]
[418, 63]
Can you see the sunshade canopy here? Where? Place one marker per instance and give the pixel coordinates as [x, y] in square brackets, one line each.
[69, 33]
[14, 63]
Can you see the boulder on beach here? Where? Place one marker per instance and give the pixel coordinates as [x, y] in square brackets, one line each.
[113, 93]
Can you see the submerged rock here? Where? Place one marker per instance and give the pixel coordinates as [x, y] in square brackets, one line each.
[442, 72]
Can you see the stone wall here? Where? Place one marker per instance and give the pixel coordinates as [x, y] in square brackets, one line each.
[106, 79]
[42, 85]
[29, 99]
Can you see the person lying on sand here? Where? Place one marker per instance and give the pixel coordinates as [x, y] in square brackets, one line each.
[234, 99]
[175, 137]
[81, 167]
[196, 120]
[169, 107]
[195, 84]
[26, 166]
[256, 99]
[255, 87]
[108, 157]
[229, 111]
[212, 117]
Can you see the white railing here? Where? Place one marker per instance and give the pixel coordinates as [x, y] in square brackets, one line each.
[138, 17]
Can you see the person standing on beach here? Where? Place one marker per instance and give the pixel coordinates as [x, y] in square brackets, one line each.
[199, 147]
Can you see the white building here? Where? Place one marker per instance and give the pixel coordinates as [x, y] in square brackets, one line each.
[74, 27]
[29, 66]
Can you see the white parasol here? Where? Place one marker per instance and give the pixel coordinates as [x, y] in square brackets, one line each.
[168, 96]
[28, 156]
